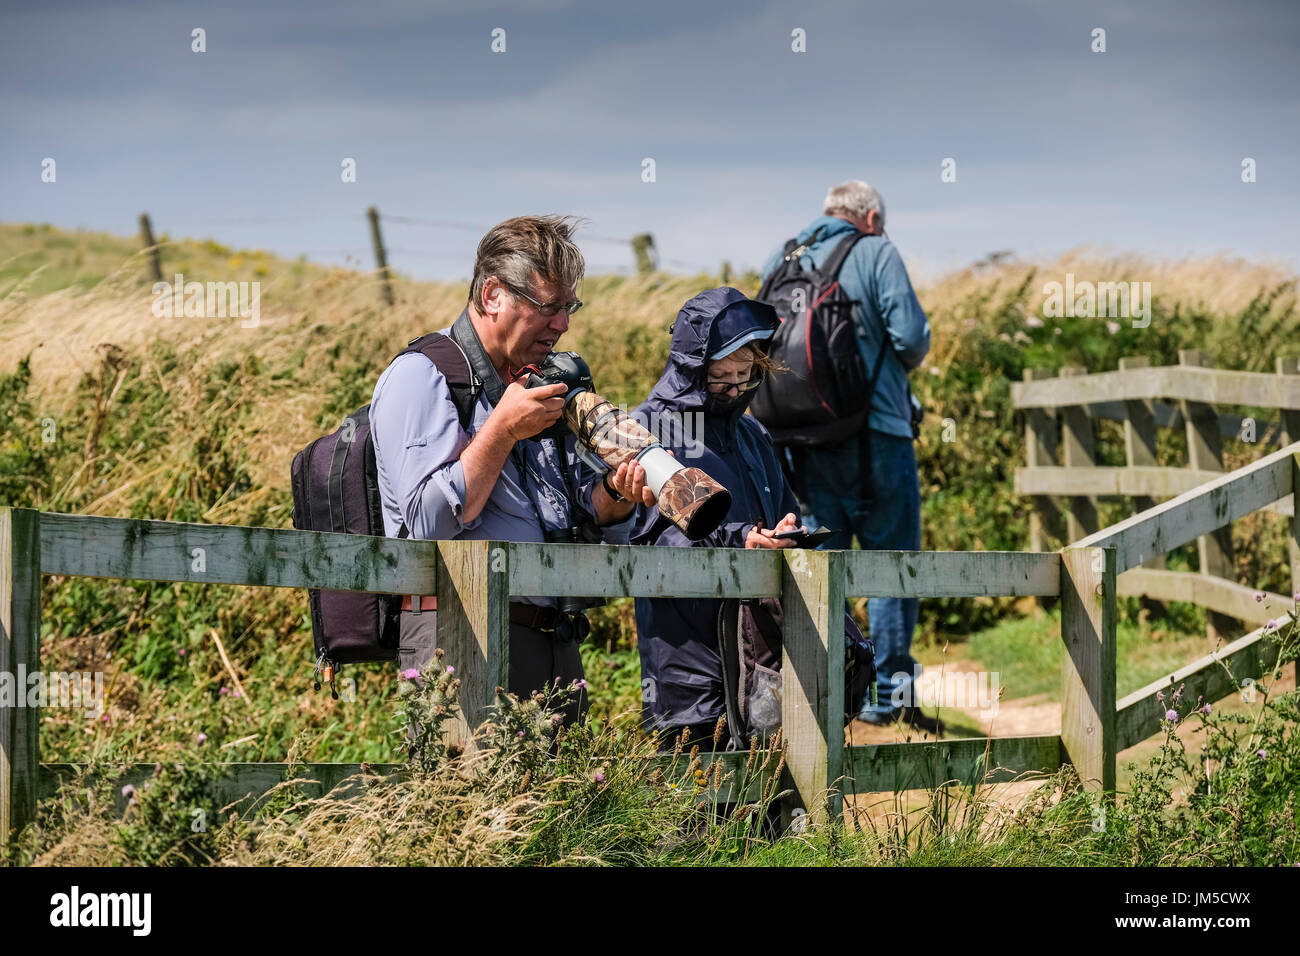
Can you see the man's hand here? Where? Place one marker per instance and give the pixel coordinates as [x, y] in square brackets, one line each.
[628, 479]
[758, 537]
[523, 412]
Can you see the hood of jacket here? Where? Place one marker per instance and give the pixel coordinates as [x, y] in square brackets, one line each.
[715, 320]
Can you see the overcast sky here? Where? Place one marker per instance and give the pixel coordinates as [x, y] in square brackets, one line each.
[1137, 148]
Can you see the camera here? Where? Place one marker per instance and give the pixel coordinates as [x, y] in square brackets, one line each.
[560, 368]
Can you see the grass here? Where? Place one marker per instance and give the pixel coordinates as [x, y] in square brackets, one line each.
[107, 410]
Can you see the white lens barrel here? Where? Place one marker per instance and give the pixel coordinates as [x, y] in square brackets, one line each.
[659, 466]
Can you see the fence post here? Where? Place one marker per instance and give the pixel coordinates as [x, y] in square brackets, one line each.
[147, 243]
[381, 257]
[1076, 422]
[1139, 452]
[1205, 451]
[20, 655]
[812, 682]
[1041, 440]
[473, 624]
[1088, 613]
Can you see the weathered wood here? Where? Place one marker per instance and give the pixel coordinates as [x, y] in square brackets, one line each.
[1182, 519]
[593, 570]
[1165, 415]
[1216, 594]
[1088, 615]
[1289, 365]
[929, 764]
[812, 680]
[1205, 453]
[1077, 444]
[473, 625]
[1107, 482]
[381, 256]
[1139, 714]
[20, 654]
[133, 550]
[924, 574]
[1140, 452]
[242, 784]
[1041, 439]
[1212, 386]
[150, 248]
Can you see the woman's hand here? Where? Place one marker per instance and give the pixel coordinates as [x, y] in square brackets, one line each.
[758, 537]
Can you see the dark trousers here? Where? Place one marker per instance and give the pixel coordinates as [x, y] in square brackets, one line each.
[536, 658]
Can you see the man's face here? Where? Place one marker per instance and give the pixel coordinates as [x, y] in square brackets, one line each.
[527, 336]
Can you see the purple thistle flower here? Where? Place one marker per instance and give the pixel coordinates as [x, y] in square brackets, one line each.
[1262, 753]
[181, 652]
[1272, 624]
[411, 673]
[1171, 716]
[599, 778]
[520, 735]
[128, 791]
[1259, 596]
[236, 693]
[1178, 693]
[580, 684]
[224, 690]
[1160, 696]
[202, 738]
[1205, 709]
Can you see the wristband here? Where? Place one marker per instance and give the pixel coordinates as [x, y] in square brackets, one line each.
[614, 495]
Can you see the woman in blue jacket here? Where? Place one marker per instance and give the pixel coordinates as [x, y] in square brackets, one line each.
[716, 362]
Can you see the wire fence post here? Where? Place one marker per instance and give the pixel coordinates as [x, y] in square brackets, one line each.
[147, 243]
[381, 258]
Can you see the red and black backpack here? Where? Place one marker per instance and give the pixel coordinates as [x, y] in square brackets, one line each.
[825, 396]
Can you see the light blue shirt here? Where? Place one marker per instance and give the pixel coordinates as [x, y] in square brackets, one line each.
[418, 442]
[875, 277]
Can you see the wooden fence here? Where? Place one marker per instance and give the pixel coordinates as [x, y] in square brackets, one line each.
[1060, 414]
[474, 580]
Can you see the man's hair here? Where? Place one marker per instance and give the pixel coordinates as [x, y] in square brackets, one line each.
[515, 249]
[853, 200]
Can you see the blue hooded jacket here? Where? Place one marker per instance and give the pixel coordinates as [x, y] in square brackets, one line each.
[680, 668]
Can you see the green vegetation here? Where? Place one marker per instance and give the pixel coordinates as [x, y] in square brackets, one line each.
[109, 410]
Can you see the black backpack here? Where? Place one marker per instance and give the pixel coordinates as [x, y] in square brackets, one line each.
[336, 488]
[825, 396]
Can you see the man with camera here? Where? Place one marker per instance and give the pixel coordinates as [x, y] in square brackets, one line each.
[510, 472]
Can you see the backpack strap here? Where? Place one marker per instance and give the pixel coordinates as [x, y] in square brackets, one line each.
[444, 352]
[465, 386]
[835, 262]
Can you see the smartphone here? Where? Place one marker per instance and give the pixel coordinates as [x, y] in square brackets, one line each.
[806, 539]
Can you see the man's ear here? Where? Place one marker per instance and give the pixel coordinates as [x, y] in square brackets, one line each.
[493, 297]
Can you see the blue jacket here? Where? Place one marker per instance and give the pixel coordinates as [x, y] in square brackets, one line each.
[875, 277]
[680, 668]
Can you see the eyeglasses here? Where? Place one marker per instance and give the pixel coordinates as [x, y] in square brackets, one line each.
[749, 384]
[548, 309]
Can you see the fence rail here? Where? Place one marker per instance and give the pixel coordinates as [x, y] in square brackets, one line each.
[474, 581]
[1060, 413]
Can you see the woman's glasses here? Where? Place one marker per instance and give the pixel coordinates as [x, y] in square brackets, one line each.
[722, 388]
